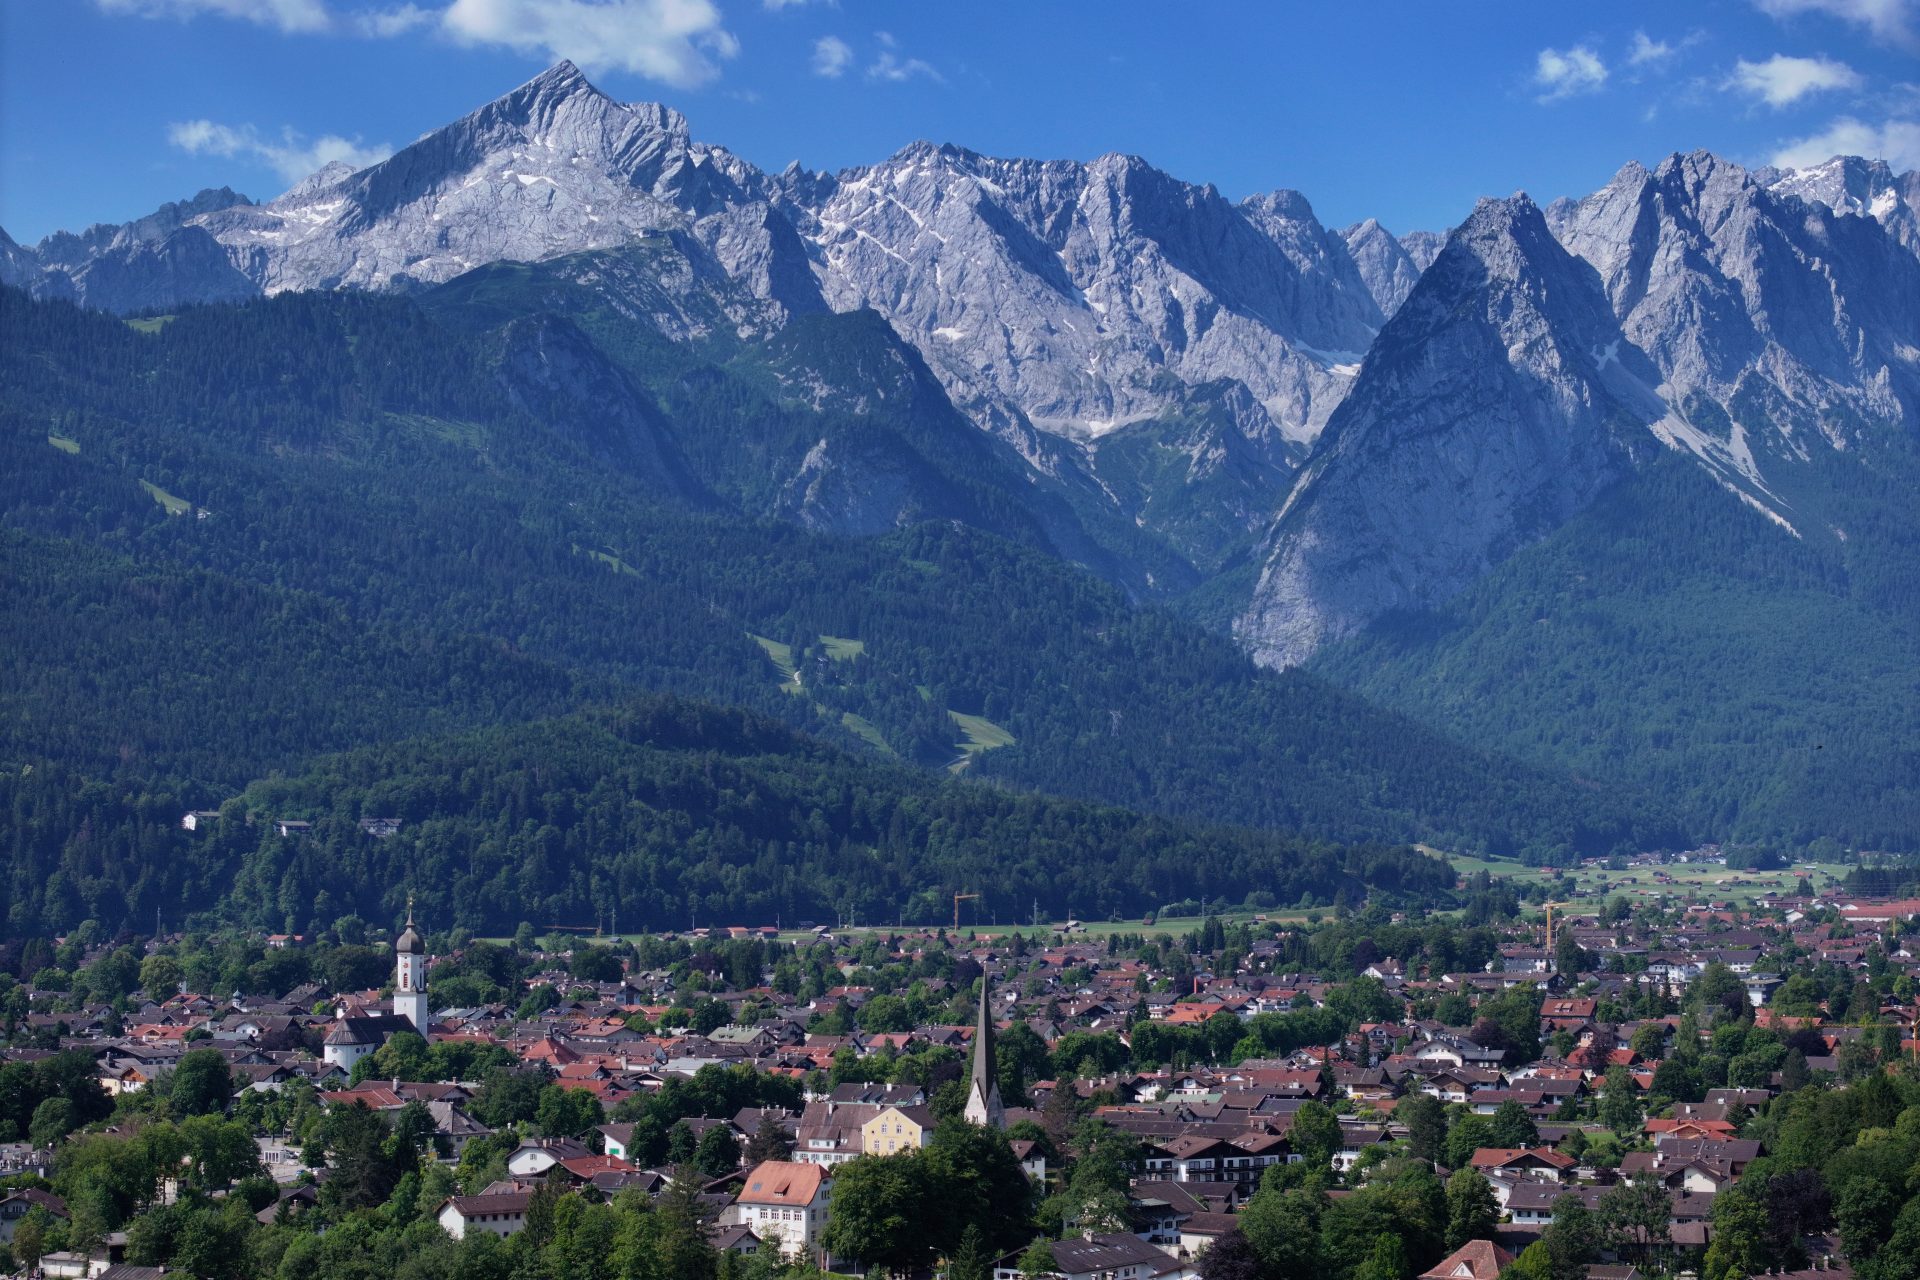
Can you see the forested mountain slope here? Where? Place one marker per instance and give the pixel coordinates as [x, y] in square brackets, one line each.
[1769, 684]
[353, 456]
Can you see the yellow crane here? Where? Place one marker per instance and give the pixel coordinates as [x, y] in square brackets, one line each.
[959, 898]
[1550, 906]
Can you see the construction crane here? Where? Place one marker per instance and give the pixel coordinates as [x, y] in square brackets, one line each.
[959, 898]
[1550, 906]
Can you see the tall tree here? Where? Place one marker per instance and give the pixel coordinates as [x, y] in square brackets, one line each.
[1315, 1135]
[1426, 1120]
[1472, 1211]
[1513, 1127]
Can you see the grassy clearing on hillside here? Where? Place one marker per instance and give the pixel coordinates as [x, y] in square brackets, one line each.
[613, 562]
[174, 506]
[781, 655]
[978, 734]
[63, 444]
[149, 324]
[841, 649]
[867, 730]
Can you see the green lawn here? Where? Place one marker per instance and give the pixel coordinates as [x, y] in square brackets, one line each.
[841, 649]
[978, 734]
[174, 506]
[781, 656]
[867, 730]
[63, 444]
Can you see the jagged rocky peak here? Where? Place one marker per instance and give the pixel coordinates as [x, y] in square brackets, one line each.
[64, 249]
[1079, 297]
[1387, 269]
[1742, 293]
[1424, 246]
[1495, 404]
[1860, 187]
[560, 108]
[553, 167]
[325, 178]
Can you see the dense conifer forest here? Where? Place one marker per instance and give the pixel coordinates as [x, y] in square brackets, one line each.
[245, 537]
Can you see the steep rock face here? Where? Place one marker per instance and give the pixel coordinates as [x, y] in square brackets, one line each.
[69, 251]
[1079, 297]
[1384, 263]
[159, 260]
[1496, 403]
[1777, 325]
[18, 267]
[554, 167]
[1423, 246]
[550, 370]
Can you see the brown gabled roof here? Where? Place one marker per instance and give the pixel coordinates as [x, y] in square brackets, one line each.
[499, 1202]
[1500, 1157]
[1474, 1260]
[783, 1182]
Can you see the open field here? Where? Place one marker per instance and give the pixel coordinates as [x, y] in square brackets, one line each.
[977, 734]
[841, 649]
[1693, 882]
[867, 730]
[174, 506]
[781, 655]
[63, 444]
[1096, 929]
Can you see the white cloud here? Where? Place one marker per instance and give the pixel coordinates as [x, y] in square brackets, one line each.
[1895, 141]
[1647, 52]
[831, 57]
[678, 42]
[1888, 19]
[891, 66]
[293, 157]
[384, 23]
[1564, 73]
[287, 15]
[1782, 79]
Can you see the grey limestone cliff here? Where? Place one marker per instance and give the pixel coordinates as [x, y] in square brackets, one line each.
[1496, 403]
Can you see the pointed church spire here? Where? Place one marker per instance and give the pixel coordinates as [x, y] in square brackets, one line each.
[983, 1087]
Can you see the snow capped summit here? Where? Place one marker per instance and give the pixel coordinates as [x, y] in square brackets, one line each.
[1863, 188]
[553, 167]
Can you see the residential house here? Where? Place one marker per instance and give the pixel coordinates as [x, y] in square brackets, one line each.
[501, 1212]
[784, 1204]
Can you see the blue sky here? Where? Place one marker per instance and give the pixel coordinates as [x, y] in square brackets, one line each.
[1402, 111]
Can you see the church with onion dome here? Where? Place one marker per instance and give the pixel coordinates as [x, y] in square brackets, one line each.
[354, 1036]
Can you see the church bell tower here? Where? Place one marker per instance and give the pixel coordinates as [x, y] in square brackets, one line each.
[410, 974]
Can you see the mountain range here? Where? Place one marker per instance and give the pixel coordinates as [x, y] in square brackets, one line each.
[1327, 443]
